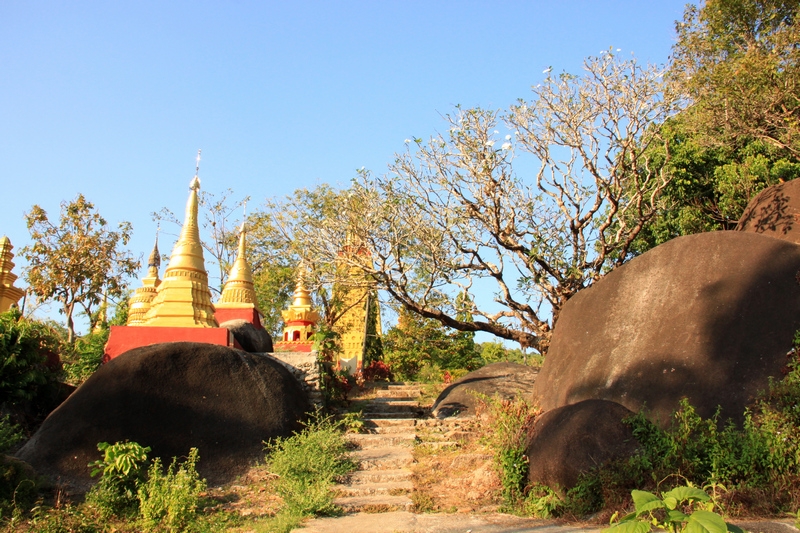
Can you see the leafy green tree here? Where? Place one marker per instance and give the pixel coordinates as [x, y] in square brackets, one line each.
[78, 260]
[739, 64]
[736, 64]
[416, 341]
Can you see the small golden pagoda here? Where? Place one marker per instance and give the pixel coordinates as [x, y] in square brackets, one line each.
[183, 298]
[239, 290]
[9, 294]
[143, 297]
[300, 318]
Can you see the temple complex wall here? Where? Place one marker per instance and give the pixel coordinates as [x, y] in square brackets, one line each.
[305, 367]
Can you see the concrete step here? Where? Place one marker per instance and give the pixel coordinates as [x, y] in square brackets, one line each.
[388, 458]
[398, 393]
[381, 440]
[353, 504]
[379, 476]
[394, 414]
[389, 425]
[385, 488]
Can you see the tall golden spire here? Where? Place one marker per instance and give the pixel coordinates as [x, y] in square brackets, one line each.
[183, 298]
[141, 300]
[239, 291]
[9, 294]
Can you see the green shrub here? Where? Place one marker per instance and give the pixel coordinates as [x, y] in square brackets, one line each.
[168, 501]
[508, 421]
[84, 357]
[18, 486]
[10, 434]
[752, 468]
[23, 347]
[122, 469]
[306, 465]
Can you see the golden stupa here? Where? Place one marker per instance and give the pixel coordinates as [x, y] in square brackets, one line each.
[300, 318]
[9, 294]
[183, 298]
[143, 297]
[239, 291]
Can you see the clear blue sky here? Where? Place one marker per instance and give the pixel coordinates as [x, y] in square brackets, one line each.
[113, 99]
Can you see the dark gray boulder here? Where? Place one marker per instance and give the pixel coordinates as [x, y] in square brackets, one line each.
[568, 441]
[774, 212]
[172, 397]
[508, 380]
[249, 337]
[709, 317]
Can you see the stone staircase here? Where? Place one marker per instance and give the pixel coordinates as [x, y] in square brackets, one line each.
[383, 450]
[394, 423]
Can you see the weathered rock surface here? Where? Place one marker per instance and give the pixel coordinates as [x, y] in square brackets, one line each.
[249, 337]
[775, 212]
[508, 380]
[709, 317]
[171, 397]
[570, 440]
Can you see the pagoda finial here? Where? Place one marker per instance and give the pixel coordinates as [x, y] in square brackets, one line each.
[154, 261]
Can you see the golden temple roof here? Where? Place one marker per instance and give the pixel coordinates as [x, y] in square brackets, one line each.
[183, 298]
[9, 294]
[239, 291]
[141, 300]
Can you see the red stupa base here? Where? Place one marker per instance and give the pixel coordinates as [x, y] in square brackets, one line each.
[223, 314]
[124, 338]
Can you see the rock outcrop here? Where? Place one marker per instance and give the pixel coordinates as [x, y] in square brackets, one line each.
[172, 397]
[568, 441]
[775, 212]
[709, 317]
[508, 380]
[249, 337]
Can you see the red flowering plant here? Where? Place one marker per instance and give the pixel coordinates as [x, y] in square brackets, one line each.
[377, 371]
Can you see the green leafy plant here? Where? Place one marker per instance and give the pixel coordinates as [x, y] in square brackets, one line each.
[685, 508]
[508, 422]
[122, 469]
[84, 357]
[353, 422]
[168, 501]
[10, 434]
[23, 348]
[305, 466]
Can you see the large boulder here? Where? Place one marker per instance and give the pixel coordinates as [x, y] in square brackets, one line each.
[709, 317]
[251, 338]
[507, 380]
[172, 397]
[775, 211]
[571, 440]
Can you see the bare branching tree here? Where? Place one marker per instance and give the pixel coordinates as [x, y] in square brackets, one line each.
[533, 219]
